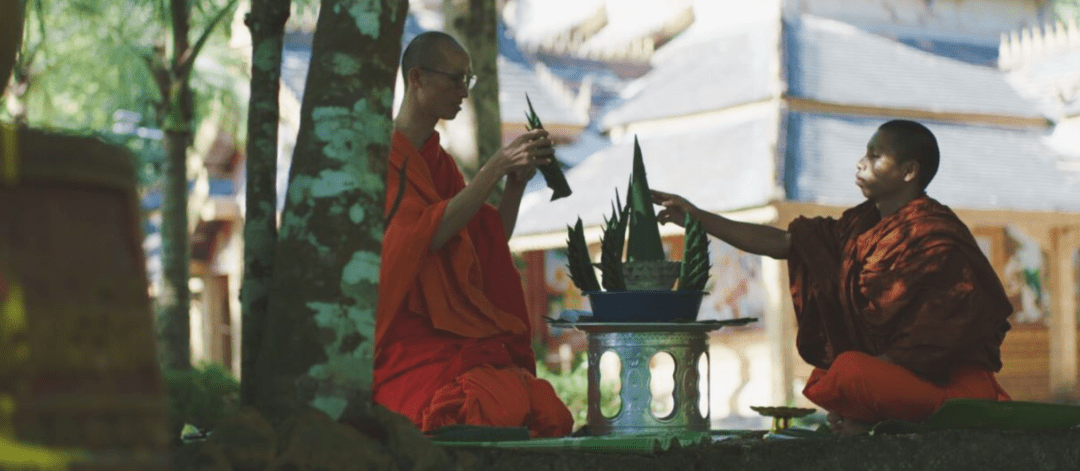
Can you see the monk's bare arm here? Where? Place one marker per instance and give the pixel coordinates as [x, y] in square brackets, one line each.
[464, 205]
[524, 152]
[754, 238]
[509, 205]
[757, 239]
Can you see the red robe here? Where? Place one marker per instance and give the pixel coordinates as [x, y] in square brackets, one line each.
[452, 341]
[912, 286]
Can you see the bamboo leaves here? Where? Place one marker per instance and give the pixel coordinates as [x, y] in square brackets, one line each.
[552, 172]
[695, 265]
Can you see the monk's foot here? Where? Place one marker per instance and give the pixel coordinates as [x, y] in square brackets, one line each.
[845, 426]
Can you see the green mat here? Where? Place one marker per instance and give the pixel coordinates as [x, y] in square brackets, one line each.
[954, 414]
[990, 415]
[643, 444]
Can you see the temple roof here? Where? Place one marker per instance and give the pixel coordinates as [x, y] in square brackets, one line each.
[834, 62]
[982, 167]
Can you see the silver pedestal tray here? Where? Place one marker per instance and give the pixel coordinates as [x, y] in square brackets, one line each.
[635, 343]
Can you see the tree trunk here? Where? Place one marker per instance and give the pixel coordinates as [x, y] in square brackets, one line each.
[174, 301]
[267, 24]
[474, 23]
[11, 26]
[318, 344]
[175, 297]
[15, 73]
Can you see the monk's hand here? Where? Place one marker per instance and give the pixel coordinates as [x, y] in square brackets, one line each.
[675, 207]
[520, 177]
[524, 152]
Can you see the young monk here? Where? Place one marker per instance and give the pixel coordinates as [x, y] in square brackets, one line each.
[452, 339]
[897, 308]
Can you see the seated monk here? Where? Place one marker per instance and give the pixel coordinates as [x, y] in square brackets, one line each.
[897, 307]
[453, 343]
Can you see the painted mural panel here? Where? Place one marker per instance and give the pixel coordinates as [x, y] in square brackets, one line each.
[1024, 277]
[736, 288]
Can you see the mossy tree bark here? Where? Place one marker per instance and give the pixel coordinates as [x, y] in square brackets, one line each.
[318, 344]
[267, 24]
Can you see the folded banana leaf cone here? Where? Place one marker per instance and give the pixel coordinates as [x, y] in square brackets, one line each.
[552, 172]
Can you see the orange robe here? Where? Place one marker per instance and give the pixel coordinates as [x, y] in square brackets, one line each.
[452, 342]
[913, 287]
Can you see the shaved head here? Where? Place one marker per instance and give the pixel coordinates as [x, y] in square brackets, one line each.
[426, 50]
[911, 141]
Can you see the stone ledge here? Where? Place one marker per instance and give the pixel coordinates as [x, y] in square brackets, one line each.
[945, 450]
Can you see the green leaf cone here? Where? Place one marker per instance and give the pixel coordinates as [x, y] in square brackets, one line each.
[644, 243]
[611, 247]
[552, 172]
[581, 269]
[695, 265]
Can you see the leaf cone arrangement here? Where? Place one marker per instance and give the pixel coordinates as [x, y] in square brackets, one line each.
[644, 249]
[552, 172]
[695, 267]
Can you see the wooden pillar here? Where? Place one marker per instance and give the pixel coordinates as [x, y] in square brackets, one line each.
[1063, 342]
[779, 330]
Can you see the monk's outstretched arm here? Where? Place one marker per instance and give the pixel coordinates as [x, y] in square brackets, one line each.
[757, 239]
[527, 150]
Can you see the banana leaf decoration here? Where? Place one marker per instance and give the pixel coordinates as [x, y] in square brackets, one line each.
[552, 172]
[611, 246]
[578, 260]
[695, 267]
[644, 240]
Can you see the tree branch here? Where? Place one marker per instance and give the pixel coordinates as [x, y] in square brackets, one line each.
[187, 59]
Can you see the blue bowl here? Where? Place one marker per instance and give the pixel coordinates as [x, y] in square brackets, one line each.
[645, 306]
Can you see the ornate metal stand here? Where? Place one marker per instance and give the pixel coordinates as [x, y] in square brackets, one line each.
[635, 343]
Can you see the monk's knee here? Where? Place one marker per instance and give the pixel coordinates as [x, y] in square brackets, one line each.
[853, 364]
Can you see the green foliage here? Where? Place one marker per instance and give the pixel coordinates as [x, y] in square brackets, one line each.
[201, 396]
[581, 269]
[573, 388]
[82, 60]
[1066, 10]
[695, 265]
[552, 172]
[644, 242]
